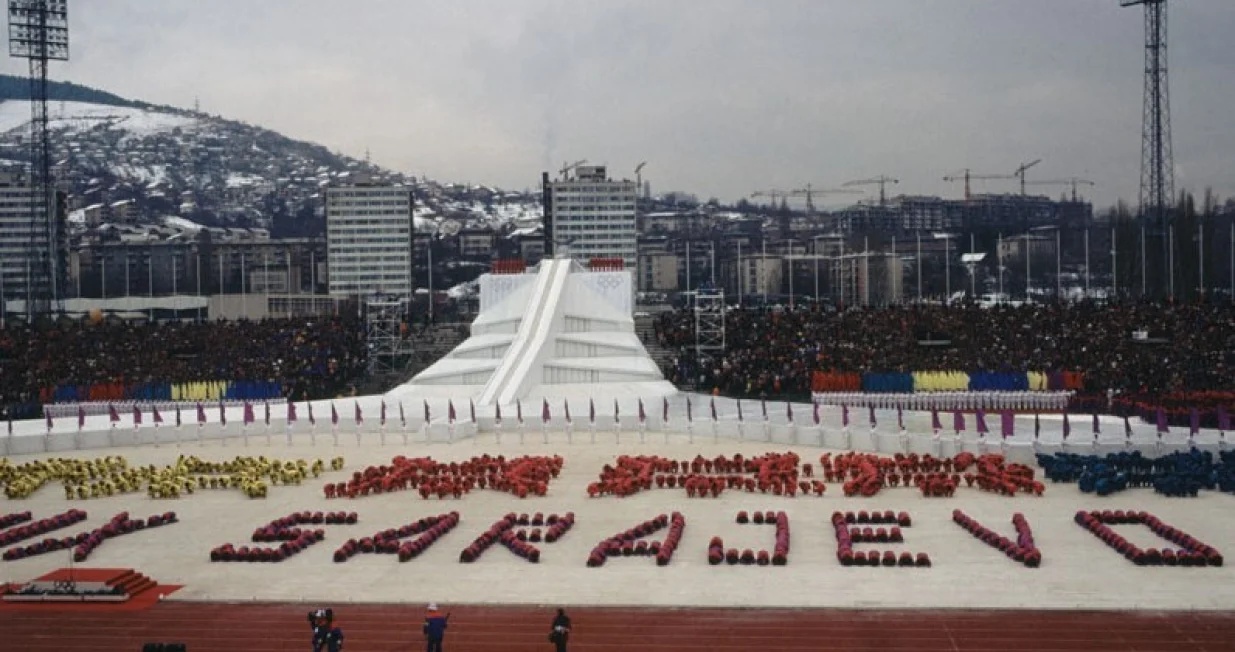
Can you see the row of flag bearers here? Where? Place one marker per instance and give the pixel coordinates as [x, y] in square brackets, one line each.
[1007, 421]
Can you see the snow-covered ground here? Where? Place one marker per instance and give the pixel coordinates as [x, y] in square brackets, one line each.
[1078, 571]
[82, 116]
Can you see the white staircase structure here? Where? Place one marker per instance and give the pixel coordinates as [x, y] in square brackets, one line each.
[560, 333]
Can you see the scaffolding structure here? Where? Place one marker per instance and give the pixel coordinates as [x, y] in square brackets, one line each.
[390, 344]
[709, 307]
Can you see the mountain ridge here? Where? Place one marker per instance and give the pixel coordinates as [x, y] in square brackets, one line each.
[163, 161]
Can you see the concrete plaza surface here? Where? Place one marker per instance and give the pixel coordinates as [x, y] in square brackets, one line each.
[1078, 571]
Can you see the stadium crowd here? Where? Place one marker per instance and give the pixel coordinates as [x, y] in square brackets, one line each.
[306, 358]
[1186, 347]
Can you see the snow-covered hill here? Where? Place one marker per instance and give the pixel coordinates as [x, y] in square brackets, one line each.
[218, 172]
[72, 118]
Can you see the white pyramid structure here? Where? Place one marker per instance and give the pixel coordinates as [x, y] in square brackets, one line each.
[559, 333]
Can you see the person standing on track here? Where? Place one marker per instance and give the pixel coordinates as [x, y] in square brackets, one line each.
[435, 628]
[559, 633]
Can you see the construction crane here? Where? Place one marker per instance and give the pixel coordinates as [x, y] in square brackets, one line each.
[1020, 172]
[569, 167]
[967, 175]
[772, 195]
[809, 193]
[1074, 182]
[882, 180]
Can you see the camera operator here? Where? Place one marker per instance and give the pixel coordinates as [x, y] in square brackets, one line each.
[326, 637]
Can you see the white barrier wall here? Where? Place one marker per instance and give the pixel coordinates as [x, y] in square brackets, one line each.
[32, 437]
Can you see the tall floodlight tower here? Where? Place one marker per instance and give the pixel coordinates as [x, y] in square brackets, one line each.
[39, 32]
[1157, 159]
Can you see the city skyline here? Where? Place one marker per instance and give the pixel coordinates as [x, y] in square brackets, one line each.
[723, 101]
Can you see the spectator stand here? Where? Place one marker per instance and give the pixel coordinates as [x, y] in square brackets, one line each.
[1020, 402]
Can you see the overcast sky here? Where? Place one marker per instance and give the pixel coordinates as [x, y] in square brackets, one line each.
[721, 97]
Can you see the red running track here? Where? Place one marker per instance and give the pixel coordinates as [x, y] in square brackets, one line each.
[206, 627]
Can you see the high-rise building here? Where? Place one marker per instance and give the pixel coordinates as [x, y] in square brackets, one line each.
[592, 216]
[369, 239]
[32, 255]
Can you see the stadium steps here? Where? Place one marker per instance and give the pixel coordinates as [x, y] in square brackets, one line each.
[645, 328]
[436, 342]
[132, 583]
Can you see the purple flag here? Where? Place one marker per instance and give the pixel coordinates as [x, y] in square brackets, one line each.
[816, 412]
[616, 418]
[158, 418]
[1127, 427]
[713, 409]
[789, 411]
[980, 422]
[1067, 426]
[402, 418]
[427, 417]
[665, 410]
[312, 421]
[642, 415]
[381, 417]
[740, 410]
[49, 423]
[519, 410]
[114, 416]
[177, 415]
[450, 410]
[291, 412]
[871, 410]
[1007, 423]
[137, 416]
[936, 424]
[1097, 427]
[1162, 427]
[334, 415]
[81, 417]
[763, 406]
[1194, 422]
[544, 410]
[359, 414]
[266, 411]
[958, 421]
[900, 418]
[566, 410]
[248, 413]
[497, 413]
[591, 410]
[471, 408]
[690, 414]
[844, 415]
[222, 413]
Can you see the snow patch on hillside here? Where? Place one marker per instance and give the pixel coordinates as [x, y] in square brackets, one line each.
[76, 117]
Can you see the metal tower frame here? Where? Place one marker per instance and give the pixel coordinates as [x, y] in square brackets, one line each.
[39, 32]
[390, 349]
[709, 308]
[1157, 158]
